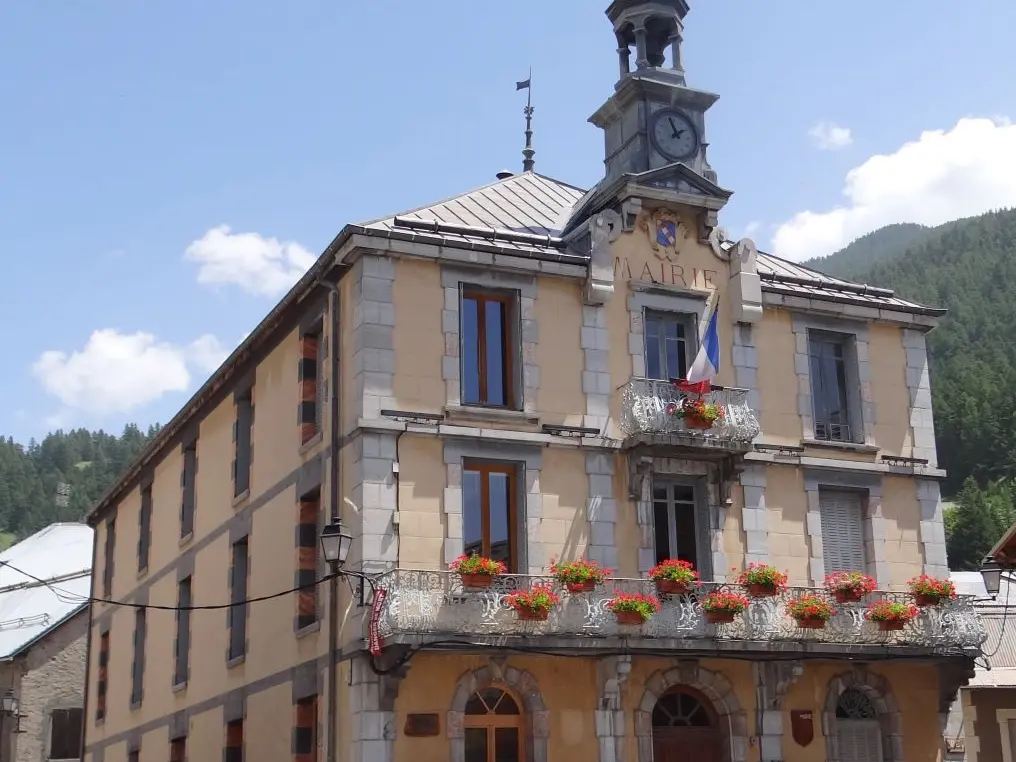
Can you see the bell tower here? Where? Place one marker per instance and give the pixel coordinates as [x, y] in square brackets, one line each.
[653, 119]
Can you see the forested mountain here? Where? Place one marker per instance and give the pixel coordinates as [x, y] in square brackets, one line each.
[60, 478]
[968, 267]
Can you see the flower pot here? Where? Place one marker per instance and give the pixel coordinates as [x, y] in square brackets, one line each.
[696, 422]
[720, 617]
[811, 623]
[891, 625]
[581, 587]
[927, 600]
[847, 596]
[533, 615]
[671, 587]
[629, 617]
[761, 591]
[476, 581]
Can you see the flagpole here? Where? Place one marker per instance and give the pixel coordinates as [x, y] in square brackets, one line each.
[528, 162]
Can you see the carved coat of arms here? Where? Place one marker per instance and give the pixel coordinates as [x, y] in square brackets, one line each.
[665, 231]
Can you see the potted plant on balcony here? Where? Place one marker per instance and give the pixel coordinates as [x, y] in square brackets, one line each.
[811, 612]
[930, 591]
[762, 580]
[891, 615]
[696, 412]
[849, 587]
[674, 577]
[534, 604]
[579, 576]
[633, 608]
[477, 572]
[722, 606]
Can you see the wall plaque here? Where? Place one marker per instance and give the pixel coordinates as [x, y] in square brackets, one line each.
[422, 725]
[802, 726]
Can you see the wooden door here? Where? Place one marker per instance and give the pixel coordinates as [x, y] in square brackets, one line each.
[686, 745]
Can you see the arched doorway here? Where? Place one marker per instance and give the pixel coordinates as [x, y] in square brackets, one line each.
[858, 731]
[685, 727]
[493, 727]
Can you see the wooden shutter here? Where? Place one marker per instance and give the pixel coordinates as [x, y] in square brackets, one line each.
[859, 740]
[842, 531]
[704, 540]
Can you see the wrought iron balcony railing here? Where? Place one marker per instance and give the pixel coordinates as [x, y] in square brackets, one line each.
[432, 603]
[649, 406]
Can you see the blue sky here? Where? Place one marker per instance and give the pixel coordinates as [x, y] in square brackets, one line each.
[131, 133]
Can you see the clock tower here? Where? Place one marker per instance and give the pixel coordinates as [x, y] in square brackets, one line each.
[653, 119]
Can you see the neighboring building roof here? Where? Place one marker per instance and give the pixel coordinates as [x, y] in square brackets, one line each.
[47, 581]
[999, 617]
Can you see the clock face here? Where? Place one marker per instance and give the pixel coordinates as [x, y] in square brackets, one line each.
[674, 135]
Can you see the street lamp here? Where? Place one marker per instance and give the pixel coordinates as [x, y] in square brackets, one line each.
[991, 574]
[335, 544]
[9, 707]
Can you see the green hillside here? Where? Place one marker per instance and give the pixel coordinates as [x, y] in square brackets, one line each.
[60, 478]
[968, 267]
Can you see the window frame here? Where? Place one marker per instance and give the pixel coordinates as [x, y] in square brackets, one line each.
[145, 528]
[137, 694]
[851, 392]
[305, 735]
[511, 352]
[109, 557]
[188, 487]
[308, 599]
[491, 722]
[835, 493]
[243, 443]
[233, 743]
[690, 323]
[237, 613]
[512, 472]
[181, 645]
[102, 683]
[51, 736]
[313, 353]
[700, 516]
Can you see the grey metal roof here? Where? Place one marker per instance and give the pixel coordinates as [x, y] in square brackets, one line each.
[48, 580]
[539, 207]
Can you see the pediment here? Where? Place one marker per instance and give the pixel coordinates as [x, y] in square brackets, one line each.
[680, 178]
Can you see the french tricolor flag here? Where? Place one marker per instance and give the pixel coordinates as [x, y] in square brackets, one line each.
[707, 362]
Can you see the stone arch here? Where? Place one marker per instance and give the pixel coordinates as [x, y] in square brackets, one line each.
[715, 687]
[878, 690]
[526, 690]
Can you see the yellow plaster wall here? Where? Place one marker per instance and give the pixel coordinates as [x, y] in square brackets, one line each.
[902, 514]
[777, 381]
[626, 530]
[888, 374]
[565, 487]
[559, 356]
[418, 339]
[422, 520]
[787, 505]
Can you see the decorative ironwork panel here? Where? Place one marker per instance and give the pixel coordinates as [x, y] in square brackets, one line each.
[435, 603]
[647, 407]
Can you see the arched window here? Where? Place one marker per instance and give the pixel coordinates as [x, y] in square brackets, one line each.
[493, 727]
[685, 727]
[858, 732]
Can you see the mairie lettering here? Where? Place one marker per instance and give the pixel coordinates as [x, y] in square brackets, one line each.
[666, 273]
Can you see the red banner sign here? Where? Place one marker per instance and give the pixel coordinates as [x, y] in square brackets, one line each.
[374, 642]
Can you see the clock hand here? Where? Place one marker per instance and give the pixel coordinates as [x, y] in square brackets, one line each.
[678, 134]
[673, 127]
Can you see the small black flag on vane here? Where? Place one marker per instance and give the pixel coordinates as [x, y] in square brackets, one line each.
[524, 85]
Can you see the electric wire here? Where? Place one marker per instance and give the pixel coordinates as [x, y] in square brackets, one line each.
[74, 598]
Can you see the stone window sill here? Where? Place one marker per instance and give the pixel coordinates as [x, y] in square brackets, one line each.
[236, 661]
[311, 443]
[185, 540]
[180, 686]
[240, 500]
[848, 446]
[310, 629]
[490, 414]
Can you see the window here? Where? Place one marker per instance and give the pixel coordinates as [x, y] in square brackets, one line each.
[65, 726]
[103, 681]
[234, 742]
[858, 732]
[237, 620]
[307, 559]
[305, 730]
[489, 339]
[312, 395]
[675, 514]
[145, 528]
[670, 343]
[842, 531]
[188, 483]
[831, 381]
[181, 662]
[138, 664]
[107, 569]
[242, 429]
[493, 727]
[489, 515]
[134, 755]
[178, 750]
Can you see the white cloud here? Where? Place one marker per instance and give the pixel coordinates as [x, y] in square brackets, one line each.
[829, 136]
[118, 373]
[941, 176]
[261, 266]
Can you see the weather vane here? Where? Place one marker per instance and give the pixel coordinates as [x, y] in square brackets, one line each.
[528, 152]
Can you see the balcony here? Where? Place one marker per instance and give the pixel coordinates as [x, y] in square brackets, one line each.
[428, 606]
[648, 408]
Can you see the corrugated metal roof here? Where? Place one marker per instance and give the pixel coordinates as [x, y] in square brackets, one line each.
[538, 205]
[44, 579]
[999, 617]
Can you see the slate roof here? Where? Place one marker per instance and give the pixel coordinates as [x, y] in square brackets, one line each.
[60, 556]
[539, 208]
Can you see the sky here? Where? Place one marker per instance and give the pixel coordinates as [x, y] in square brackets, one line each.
[169, 169]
